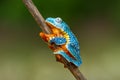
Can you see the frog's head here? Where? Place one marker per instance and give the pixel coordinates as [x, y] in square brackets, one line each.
[57, 23]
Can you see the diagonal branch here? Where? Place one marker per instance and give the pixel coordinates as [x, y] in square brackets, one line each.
[41, 22]
[37, 16]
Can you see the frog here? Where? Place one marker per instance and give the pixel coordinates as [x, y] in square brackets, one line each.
[65, 40]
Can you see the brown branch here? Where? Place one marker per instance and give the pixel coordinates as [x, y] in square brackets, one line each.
[37, 16]
[41, 22]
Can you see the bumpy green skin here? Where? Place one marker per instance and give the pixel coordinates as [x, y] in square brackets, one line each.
[72, 44]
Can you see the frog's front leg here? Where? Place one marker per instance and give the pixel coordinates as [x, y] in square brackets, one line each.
[46, 37]
[53, 38]
[59, 40]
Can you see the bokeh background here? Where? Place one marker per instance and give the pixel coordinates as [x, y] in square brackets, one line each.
[24, 56]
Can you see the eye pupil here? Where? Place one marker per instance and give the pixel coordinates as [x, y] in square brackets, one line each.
[59, 20]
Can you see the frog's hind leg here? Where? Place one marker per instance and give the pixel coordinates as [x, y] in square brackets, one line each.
[70, 60]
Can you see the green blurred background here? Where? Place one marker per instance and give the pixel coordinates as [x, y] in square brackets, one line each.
[24, 56]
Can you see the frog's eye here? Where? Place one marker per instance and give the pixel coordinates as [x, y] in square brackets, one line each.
[58, 20]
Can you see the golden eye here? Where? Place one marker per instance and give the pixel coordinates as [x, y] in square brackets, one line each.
[58, 20]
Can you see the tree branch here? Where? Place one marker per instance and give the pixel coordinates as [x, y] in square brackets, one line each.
[41, 22]
[37, 16]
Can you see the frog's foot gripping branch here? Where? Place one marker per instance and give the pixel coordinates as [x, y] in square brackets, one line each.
[59, 58]
[46, 37]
